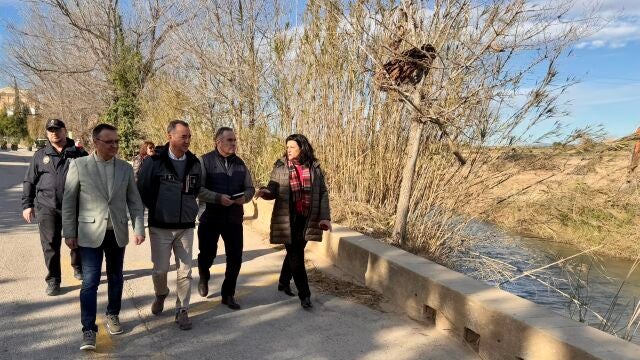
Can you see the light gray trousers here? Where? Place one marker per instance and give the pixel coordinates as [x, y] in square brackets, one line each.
[163, 241]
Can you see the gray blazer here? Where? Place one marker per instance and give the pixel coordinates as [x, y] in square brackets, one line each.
[86, 203]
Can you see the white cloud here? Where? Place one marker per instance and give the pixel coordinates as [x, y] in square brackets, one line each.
[615, 34]
[610, 8]
[619, 22]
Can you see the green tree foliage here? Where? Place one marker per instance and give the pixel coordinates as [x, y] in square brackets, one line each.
[20, 113]
[14, 126]
[4, 123]
[125, 110]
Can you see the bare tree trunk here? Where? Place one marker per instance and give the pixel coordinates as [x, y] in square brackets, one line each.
[402, 211]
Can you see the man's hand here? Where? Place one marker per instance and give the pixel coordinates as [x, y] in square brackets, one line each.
[261, 192]
[325, 225]
[28, 215]
[225, 200]
[72, 243]
[139, 239]
[239, 201]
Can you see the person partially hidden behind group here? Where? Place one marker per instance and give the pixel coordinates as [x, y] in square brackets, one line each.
[146, 149]
[300, 213]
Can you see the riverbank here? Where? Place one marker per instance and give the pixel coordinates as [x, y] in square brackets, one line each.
[578, 195]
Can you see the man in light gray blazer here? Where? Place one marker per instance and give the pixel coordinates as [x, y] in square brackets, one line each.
[98, 191]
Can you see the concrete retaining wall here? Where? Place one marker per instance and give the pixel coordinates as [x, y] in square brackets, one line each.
[495, 323]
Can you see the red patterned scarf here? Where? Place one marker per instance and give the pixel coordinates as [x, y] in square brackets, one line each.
[300, 183]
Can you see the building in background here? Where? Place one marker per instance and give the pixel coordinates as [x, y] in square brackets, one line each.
[7, 99]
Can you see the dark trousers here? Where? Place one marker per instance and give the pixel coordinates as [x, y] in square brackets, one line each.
[293, 264]
[92, 268]
[50, 225]
[208, 234]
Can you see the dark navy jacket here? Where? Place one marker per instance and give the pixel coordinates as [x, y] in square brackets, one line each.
[44, 181]
[225, 175]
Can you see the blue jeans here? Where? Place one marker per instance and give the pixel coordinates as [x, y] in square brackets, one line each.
[91, 270]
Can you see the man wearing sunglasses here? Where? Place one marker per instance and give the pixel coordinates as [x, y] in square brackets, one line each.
[43, 187]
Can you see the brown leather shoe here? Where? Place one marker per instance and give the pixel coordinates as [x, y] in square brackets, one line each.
[203, 287]
[230, 302]
[158, 304]
[203, 283]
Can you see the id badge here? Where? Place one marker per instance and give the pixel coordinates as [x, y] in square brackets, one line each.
[190, 183]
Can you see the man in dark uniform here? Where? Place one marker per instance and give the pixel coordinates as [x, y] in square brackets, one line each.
[224, 175]
[43, 187]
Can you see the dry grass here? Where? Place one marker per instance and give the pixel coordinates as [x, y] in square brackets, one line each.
[343, 289]
[589, 204]
[362, 217]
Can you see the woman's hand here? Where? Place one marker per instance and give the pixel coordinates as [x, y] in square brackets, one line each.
[261, 192]
[325, 225]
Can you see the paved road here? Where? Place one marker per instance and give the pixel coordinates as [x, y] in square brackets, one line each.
[269, 326]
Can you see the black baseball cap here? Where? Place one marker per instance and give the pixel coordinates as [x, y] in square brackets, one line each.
[55, 124]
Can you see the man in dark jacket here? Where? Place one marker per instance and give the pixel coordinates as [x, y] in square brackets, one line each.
[169, 182]
[224, 175]
[42, 192]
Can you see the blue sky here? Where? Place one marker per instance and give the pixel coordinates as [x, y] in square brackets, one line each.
[609, 91]
[606, 63]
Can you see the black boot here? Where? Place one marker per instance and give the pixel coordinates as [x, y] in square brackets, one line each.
[306, 303]
[286, 289]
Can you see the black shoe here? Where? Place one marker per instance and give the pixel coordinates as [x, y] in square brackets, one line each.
[203, 287]
[203, 284]
[230, 302]
[88, 340]
[286, 289]
[77, 273]
[306, 303]
[53, 289]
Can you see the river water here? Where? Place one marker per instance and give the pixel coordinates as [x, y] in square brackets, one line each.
[594, 280]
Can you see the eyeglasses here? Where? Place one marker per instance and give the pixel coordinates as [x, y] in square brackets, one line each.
[110, 142]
